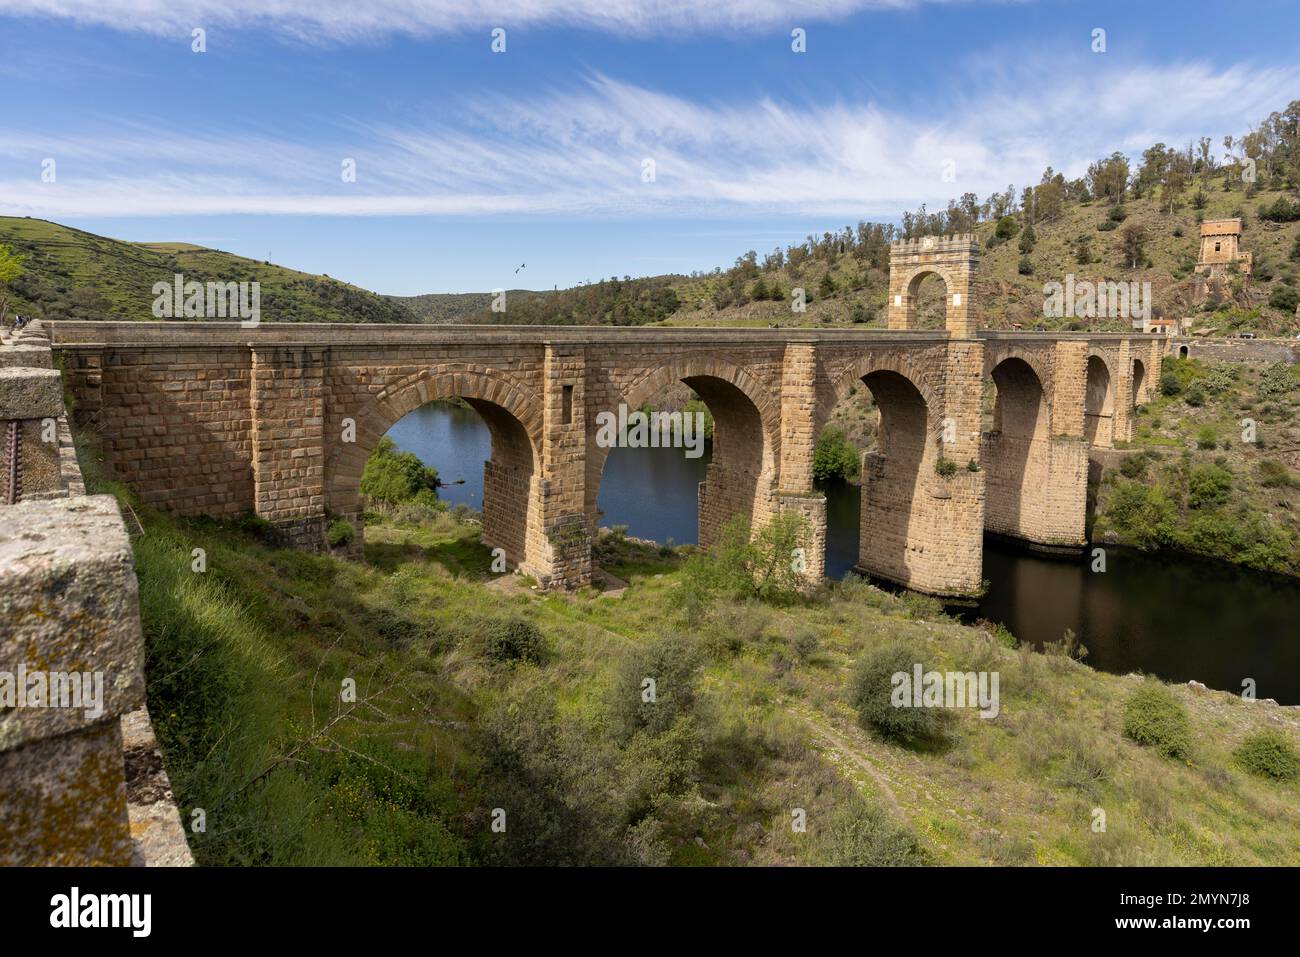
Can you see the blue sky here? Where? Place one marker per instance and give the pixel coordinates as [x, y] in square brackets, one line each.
[470, 163]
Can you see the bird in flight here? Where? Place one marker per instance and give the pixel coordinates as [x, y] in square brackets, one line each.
[521, 266]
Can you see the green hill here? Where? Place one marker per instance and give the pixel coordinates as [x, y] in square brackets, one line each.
[859, 278]
[459, 306]
[73, 274]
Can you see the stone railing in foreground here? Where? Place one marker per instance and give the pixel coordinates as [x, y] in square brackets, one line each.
[81, 779]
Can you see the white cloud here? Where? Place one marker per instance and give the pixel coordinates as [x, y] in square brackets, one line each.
[580, 151]
[345, 20]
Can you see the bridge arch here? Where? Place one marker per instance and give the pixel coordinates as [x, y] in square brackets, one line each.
[1140, 395]
[514, 422]
[741, 476]
[1099, 403]
[1015, 452]
[895, 474]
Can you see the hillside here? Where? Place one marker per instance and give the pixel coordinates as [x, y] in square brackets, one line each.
[73, 274]
[1005, 296]
[475, 693]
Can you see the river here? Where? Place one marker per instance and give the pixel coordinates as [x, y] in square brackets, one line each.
[1174, 616]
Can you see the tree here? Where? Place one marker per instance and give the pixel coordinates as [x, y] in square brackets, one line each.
[11, 267]
[1108, 178]
[391, 476]
[1027, 239]
[834, 458]
[1133, 241]
[826, 287]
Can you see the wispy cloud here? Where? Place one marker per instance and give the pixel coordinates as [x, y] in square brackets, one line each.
[347, 20]
[582, 151]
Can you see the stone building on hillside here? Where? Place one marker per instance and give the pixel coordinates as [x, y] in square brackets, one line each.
[1220, 242]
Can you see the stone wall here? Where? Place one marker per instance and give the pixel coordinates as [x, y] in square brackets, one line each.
[280, 420]
[71, 652]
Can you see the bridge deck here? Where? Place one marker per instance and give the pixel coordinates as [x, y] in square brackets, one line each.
[207, 334]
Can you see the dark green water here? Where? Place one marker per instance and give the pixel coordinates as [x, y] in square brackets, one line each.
[1177, 617]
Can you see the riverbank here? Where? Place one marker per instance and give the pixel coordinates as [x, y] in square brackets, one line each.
[474, 693]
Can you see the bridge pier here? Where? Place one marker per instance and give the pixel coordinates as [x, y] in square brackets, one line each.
[558, 549]
[922, 520]
[797, 494]
[1035, 456]
[287, 401]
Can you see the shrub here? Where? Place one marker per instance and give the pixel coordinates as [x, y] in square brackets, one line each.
[672, 663]
[1144, 513]
[862, 836]
[1208, 485]
[1285, 298]
[1268, 754]
[340, 533]
[1273, 474]
[871, 692]
[740, 566]
[1155, 719]
[945, 466]
[393, 477]
[1276, 380]
[1028, 239]
[1118, 214]
[1169, 382]
[1025, 267]
[834, 458]
[1006, 228]
[1282, 211]
[1206, 438]
[1106, 225]
[512, 639]
[1195, 394]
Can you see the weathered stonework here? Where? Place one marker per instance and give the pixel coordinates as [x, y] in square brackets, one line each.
[279, 421]
[952, 259]
[70, 645]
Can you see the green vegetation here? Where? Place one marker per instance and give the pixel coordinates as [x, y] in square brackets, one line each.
[872, 692]
[1154, 718]
[474, 692]
[392, 477]
[73, 274]
[835, 459]
[1269, 754]
[1203, 476]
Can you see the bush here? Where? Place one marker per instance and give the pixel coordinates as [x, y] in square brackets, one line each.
[1006, 228]
[1144, 514]
[1195, 394]
[393, 477]
[672, 663]
[1268, 754]
[1117, 214]
[834, 458]
[740, 566]
[1282, 211]
[1285, 298]
[1273, 474]
[871, 692]
[1207, 438]
[863, 836]
[1169, 382]
[1155, 719]
[1277, 380]
[1208, 486]
[1106, 225]
[945, 466]
[512, 639]
[1025, 267]
[340, 533]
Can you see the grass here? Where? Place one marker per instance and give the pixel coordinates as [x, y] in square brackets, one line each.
[73, 274]
[247, 663]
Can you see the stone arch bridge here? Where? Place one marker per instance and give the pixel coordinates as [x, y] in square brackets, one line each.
[278, 420]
